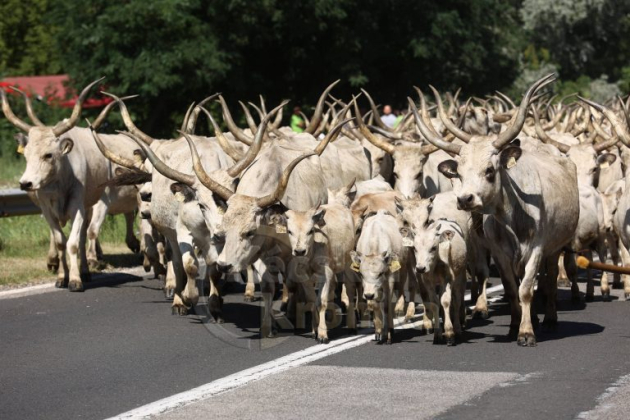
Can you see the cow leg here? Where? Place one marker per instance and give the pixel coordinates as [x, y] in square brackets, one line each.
[482, 274]
[268, 289]
[351, 289]
[399, 285]
[611, 241]
[602, 252]
[99, 211]
[625, 260]
[250, 287]
[526, 336]
[215, 301]
[413, 287]
[52, 258]
[171, 276]
[186, 293]
[550, 323]
[445, 301]
[345, 300]
[73, 245]
[326, 294]
[179, 307]
[378, 320]
[59, 239]
[563, 276]
[388, 301]
[572, 272]
[459, 308]
[508, 280]
[590, 285]
[130, 237]
[431, 315]
[84, 267]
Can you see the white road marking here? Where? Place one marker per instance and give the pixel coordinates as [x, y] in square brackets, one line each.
[244, 377]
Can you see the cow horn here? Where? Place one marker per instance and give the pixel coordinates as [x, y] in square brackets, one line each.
[221, 139]
[331, 136]
[506, 98]
[249, 118]
[388, 134]
[277, 195]
[187, 117]
[459, 133]
[231, 125]
[124, 112]
[160, 166]
[317, 115]
[276, 123]
[380, 143]
[105, 112]
[253, 151]
[432, 138]
[29, 108]
[192, 120]
[426, 118]
[544, 137]
[322, 125]
[117, 159]
[622, 132]
[518, 121]
[66, 125]
[202, 175]
[6, 109]
[377, 115]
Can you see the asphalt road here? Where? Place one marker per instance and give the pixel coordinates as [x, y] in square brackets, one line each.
[117, 347]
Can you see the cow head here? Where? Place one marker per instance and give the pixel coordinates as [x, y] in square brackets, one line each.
[44, 147]
[430, 245]
[301, 227]
[374, 271]
[481, 161]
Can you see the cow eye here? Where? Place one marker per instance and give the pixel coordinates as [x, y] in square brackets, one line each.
[310, 232]
[250, 233]
[419, 176]
[489, 171]
[48, 156]
[434, 248]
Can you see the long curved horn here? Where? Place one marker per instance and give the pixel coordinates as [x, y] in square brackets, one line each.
[192, 121]
[331, 136]
[519, 119]
[221, 139]
[160, 166]
[6, 109]
[117, 159]
[617, 124]
[506, 98]
[387, 134]
[248, 117]
[277, 195]
[105, 112]
[253, 151]
[380, 143]
[458, 132]
[544, 137]
[231, 125]
[187, 117]
[66, 125]
[377, 115]
[435, 140]
[322, 125]
[317, 115]
[29, 108]
[276, 123]
[124, 112]
[201, 173]
[426, 118]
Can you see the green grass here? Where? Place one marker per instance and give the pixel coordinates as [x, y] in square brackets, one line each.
[24, 245]
[11, 170]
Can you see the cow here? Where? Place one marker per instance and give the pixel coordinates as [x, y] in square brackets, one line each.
[65, 172]
[530, 203]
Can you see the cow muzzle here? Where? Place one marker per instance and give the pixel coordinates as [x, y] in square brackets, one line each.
[26, 186]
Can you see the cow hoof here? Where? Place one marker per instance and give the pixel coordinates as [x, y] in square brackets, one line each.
[147, 268]
[436, 340]
[169, 293]
[248, 298]
[480, 314]
[323, 340]
[378, 338]
[86, 277]
[352, 331]
[606, 297]
[53, 268]
[75, 286]
[216, 319]
[526, 340]
[550, 326]
[564, 282]
[450, 341]
[179, 310]
[513, 333]
[272, 334]
[61, 284]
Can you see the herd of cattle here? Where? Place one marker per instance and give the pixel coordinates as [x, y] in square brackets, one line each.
[383, 212]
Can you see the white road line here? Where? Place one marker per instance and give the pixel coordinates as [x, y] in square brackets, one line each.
[26, 291]
[244, 377]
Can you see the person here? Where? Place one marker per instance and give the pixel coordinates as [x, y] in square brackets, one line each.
[388, 118]
[297, 122]
[399, 117]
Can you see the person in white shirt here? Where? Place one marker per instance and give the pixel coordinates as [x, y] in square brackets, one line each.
[388, 118]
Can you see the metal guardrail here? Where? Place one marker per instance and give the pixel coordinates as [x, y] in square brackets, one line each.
[14, 202]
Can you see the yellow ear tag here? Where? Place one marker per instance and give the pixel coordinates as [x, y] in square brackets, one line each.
[281, 228]
[20, 149]
[220, 210]
[602, 165]
[407, 242]
[511, 162]
[180, 197]
[394, 266]
[355, 267]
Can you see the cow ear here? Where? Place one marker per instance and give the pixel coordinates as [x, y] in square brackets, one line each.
[66, 146]
[270, 215]
[182, 192]
[448, 168]
[447, 235]
[21, 139]
[399, 205]
[606, 159]
[355, 258]
[318, 217]
[510, 155]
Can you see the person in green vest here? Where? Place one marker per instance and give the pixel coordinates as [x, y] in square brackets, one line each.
[297, 122]
[399, 117]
